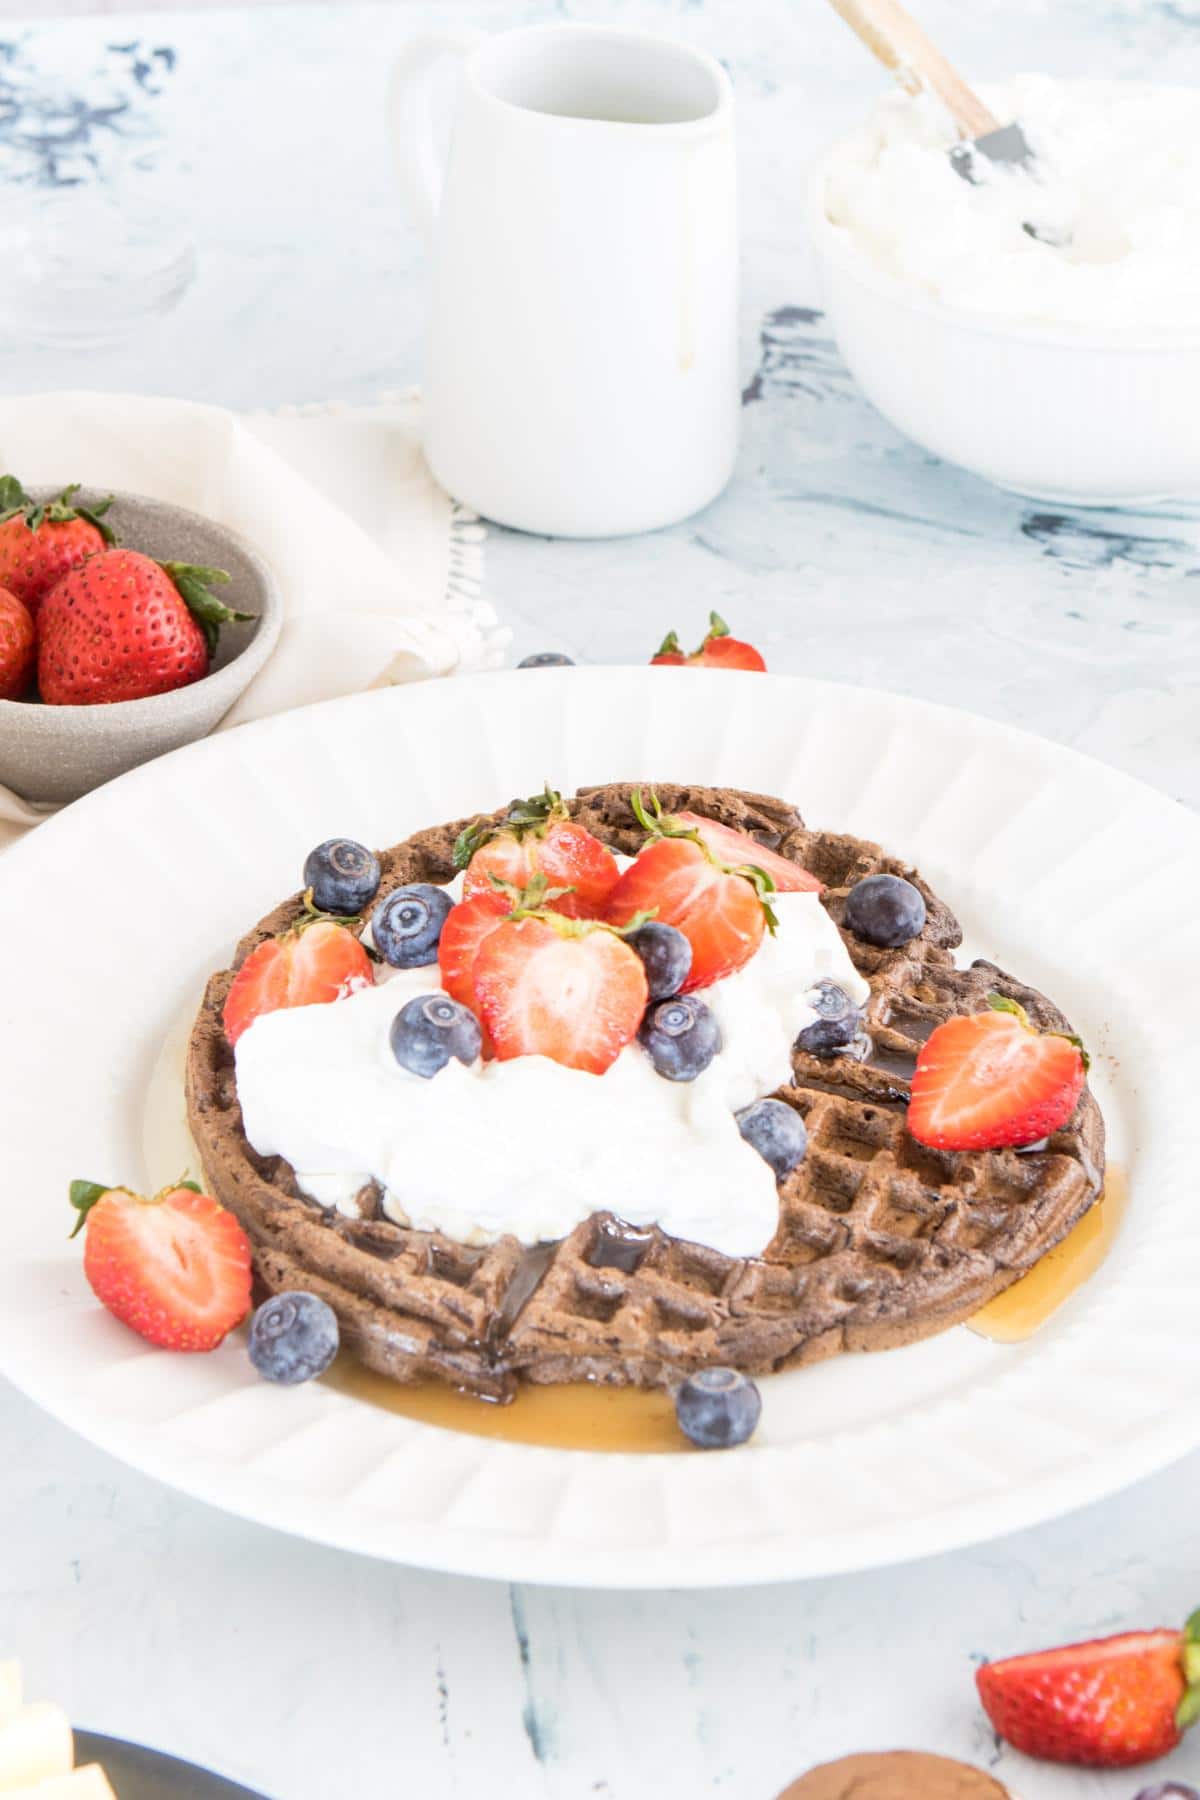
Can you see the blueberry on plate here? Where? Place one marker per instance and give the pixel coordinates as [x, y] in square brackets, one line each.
[885, 910]
[343, 875]
[430, 1030]
[547, 659]
[837, 1022]
[407, 924]
[681, 1036]
[666, 957]
[776, 1131]
[293, 1336]
[1167, 1790]
[718, 1408]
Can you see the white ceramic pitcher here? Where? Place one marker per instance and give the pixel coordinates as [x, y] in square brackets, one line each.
[581, 373]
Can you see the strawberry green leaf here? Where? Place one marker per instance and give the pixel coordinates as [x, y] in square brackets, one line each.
[1188, 1712]
[717, 626]
[13, 498]
[470, 839]
[670, 646]
[1002, 1004]
[193, 1187]
[83, 1196]
[194, 584]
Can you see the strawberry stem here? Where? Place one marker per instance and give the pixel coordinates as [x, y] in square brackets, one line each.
[659, 824]
[15, 502]
[538, 892]
[194, 584]
[524, 818]
[1002, 1003]
[84, 1195]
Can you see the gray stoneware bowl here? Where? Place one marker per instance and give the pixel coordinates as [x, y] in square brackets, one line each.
[57, 753]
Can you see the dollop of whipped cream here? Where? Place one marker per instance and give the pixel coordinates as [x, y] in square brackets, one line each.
[1115, 201]
[529, 1147]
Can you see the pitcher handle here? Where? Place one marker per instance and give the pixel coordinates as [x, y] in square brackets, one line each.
[410, 116]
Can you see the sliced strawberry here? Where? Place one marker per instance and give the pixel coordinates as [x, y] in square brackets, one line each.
[539, 838]
[739, 848]
[467, 924]
[719, 913]
[718, 651]
[307, 966]
[571, 990]
[175, 1269]
[679, 879]
[990, 1080]
[1109, 1704]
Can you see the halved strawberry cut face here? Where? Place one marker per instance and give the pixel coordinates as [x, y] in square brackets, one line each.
[467, 924]
[574, 996]
[175, 1269]
[719, 913]
[565, 853]
[739, 848]
[990, 1080]
[307, 967]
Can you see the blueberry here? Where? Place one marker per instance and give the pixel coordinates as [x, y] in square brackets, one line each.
[681, 1036]
[718, 1408]
[407, 924]
[430, 1030]
[1167, 1790]
[885, 910]
[343, 876]
[293, 1337]
[837, 1022]
[547, 659]
[777, 1132]
[666, 957]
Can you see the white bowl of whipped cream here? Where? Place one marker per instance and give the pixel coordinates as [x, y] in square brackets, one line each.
[1066, 364]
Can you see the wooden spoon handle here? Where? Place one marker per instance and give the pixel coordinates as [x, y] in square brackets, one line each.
[898, 41]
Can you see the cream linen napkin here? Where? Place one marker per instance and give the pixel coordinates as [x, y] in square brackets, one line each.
[380, 570]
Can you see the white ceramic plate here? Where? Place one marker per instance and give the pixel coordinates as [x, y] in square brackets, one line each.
[1076, 878]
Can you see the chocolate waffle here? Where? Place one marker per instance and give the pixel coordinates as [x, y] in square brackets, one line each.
[881, 1241]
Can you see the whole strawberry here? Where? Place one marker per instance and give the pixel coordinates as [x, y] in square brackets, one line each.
[122, 626]
[720, 650]
[41, 540]
[1107, 1704]
[18, 647]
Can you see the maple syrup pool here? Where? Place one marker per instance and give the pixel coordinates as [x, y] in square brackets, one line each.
[577, 1416]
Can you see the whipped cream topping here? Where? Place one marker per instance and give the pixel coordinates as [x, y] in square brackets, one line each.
[528, 1146]
[1116, 195]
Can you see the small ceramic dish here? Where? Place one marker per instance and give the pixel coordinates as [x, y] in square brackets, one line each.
[56, 753]
[1065, 413]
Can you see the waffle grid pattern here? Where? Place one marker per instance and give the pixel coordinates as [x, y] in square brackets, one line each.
[880, 1240]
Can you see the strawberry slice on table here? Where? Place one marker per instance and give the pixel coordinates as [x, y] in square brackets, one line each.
[721, 908]
[122, 626]
[1107, 1704]
[18, 647]
[569, 989]
[41, 540]
[316, 962]
[739, 848]
[991, 1080]
[718, 651]
[175, 1269]
[538, 837]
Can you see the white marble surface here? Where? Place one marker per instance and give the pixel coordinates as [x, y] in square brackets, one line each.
[844, 553]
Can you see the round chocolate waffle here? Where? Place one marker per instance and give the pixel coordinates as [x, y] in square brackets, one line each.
[881, 1241]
